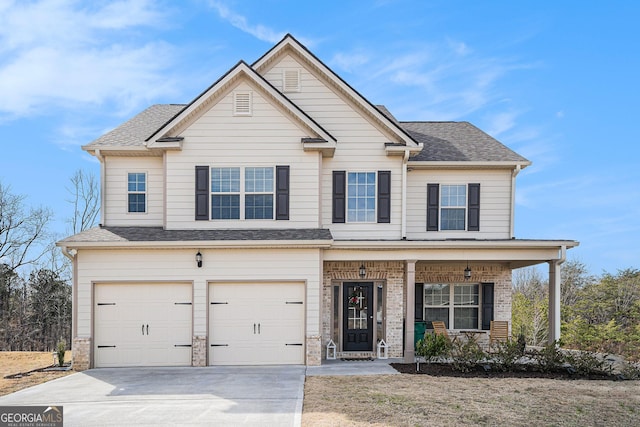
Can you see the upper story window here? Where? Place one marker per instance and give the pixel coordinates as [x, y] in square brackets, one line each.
[459, 308]
[252, 196]
[453, 207]
[136, 192]
[241, 193]
[361, 197]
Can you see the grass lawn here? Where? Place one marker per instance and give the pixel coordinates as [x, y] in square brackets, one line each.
[424, 400]
[13, 362]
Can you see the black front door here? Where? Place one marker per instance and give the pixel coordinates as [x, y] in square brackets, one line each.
[358, 316]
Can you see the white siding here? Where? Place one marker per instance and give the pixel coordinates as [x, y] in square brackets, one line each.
[360, 148]
[179, 266]
[266, 138]
[495, 202]
[116, 200]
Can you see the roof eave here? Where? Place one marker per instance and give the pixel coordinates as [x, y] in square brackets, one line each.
[465, 164]
[188, 244]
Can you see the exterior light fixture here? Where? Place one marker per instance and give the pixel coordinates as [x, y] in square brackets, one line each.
[363, 271]
[199, 259]
[467, 272]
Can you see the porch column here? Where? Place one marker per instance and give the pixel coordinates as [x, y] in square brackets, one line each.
[554, 300]
[410, 309]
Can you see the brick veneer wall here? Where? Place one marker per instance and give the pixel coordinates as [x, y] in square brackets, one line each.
[81, 352]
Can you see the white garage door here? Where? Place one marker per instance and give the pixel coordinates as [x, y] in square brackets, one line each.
[142, 325]
[256, 324]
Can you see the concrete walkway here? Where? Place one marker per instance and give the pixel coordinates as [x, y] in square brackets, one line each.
[221, 396]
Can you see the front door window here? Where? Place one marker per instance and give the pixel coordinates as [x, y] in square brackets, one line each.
[358, 316]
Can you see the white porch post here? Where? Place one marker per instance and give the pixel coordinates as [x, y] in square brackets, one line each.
[410, 305]
[554, 300]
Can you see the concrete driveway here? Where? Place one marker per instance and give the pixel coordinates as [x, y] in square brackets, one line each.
[239, 395]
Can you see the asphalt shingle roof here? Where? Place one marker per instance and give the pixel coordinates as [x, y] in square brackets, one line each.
[158, 234]
[135, 131]
[457, 141]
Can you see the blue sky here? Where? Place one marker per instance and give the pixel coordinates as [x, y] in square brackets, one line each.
[554, 81]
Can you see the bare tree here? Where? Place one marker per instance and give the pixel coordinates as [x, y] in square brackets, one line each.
[85, 198]
[21, 231]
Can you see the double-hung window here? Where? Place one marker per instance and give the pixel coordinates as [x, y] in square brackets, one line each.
[453, 207]
[136, 192]
[242, 193]
[361, 197]
[455, 304]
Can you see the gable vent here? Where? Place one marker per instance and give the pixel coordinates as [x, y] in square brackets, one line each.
[291, 81]
[242, 103]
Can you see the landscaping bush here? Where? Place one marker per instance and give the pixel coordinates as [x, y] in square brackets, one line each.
[506, 354]
[466, 355]
[432, 347]
[60, 351]
[550, 358]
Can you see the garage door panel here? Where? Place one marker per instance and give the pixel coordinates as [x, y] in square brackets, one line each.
[252, 323]
[140, 325]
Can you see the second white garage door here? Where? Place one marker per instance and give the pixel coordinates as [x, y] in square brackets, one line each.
[256, 323]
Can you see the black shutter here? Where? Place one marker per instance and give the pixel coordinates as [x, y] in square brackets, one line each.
[202, 193]
[419, 314]
[339, 196]
[487, 305]
[282, 192]
[384, 196]
[433, 200]
[474, 208]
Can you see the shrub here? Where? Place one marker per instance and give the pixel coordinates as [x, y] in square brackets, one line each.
[506, 354]
[60, 351]
[586, 362]
[433, 346]
[550, 358]
[466, 355]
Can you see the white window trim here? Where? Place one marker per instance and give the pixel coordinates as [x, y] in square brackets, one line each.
[464, 208]
[242, 193]
[145, 192]
[451, 305]
[375, 197]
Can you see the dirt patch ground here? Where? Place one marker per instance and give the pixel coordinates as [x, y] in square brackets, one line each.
[13, 362]
[412, 400]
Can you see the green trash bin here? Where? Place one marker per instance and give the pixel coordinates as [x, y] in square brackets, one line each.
[419, 329]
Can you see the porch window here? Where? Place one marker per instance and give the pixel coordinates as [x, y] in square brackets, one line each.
[465, 299]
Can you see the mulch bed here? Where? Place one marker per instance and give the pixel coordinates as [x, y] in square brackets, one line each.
[520, 371]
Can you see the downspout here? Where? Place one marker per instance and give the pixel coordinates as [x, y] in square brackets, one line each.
[514, 173]
[103, 176]
[403, 215]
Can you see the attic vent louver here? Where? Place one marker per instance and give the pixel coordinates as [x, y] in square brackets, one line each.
[291, 81]
[242, 103]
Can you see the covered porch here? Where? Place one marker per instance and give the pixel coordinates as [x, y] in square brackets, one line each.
[377, 294]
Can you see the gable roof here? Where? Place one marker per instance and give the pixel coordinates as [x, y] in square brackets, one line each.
[290, 44]
[242, 69]
[459, 142]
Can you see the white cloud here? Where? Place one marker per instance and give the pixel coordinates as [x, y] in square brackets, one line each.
[261, 32]
[349, 61]
[63, 53]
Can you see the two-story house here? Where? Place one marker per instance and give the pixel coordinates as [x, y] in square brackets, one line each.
[280, 211]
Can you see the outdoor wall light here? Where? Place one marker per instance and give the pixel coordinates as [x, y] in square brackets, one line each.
[363, 271]
[199, 259]
[467, 272]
